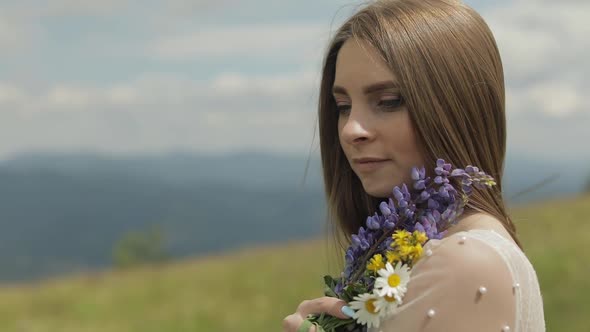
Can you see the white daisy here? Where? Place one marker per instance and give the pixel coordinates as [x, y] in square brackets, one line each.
[365, 310]
[386, 304]
[393, 281]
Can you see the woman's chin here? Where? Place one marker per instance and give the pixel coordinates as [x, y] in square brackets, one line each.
[380, 190]
[383, 193]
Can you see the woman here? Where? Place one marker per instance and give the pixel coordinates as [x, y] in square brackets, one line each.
[406, 82]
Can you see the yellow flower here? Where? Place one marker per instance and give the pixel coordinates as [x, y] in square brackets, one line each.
[464, 198]
[490, 182]
[392, 257]
[405, 251]
[376, 263]
[420, 237]
[416, 252]
[401, 237]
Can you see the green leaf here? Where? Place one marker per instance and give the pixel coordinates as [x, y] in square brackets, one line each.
[329, 292]
[319, 328]
[331, 323]
[329, 281]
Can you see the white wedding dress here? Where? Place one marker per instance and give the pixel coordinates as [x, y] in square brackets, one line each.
[474, 280]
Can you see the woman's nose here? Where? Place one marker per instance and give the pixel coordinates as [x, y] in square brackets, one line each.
[357, 128]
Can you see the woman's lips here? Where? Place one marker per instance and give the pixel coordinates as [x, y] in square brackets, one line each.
[370, 165]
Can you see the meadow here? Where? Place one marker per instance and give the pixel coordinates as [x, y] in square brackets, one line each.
[255, 288]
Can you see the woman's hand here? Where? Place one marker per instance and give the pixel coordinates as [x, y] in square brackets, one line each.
[330, 305]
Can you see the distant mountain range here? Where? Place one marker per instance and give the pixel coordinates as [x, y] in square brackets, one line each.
[60, 213]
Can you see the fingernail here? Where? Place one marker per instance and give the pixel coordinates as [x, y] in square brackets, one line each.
[347, 311]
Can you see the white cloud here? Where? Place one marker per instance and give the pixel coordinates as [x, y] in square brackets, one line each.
[292, 41]
[188, 7]
[281, 86]
[31, 9]
[69, 97]
[77, 7]
[10, 94]
[544, 47]
[555, 98]
[17, 36]
[545, 135]
[159, 112]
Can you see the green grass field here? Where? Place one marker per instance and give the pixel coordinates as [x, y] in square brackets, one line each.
[254, 289]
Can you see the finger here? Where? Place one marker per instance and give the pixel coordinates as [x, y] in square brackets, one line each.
[292, 323]
[330, 305]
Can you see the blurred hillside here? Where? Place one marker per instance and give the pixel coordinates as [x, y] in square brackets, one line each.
[62, 213]
[254, 289]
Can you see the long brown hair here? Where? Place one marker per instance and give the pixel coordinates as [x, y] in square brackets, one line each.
[450, 75]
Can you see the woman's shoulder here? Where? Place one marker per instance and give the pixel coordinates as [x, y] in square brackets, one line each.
[460, 284]
[478, 258]
[474, 260]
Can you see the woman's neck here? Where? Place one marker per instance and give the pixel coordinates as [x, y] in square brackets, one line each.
[478, 220]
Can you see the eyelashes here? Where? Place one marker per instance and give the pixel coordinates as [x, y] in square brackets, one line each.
[388, 105]
[391, 103]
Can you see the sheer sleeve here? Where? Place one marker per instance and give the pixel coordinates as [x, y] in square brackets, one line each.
[460, 284]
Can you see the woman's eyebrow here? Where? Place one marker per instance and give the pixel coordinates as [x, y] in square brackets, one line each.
[369, 88]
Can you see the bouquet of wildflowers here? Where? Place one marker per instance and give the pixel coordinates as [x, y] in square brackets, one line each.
[378, 263]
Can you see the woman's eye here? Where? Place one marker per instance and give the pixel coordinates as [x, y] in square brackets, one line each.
[388, 104]
[391, 103]
[343, 108]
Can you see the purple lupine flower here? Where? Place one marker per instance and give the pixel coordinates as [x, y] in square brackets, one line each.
[356, 241]
[383, 246]
[420, 185]
[471, 170]
[432, 204]
[442, 168]
[365, 244]
[427, 227]
[443, 192]
[348, 272]
[388, 225]
[406, 192]
[458, 172]
[431, 208]
[349, 257]
[371, 238]
[391, 203]
[434, 216]
[373, 223]
[419, 177]
[440, 235]
[339, 288]
[447, 212]
[424, 195]
[385, 210]
[467, 190]
[422, 172]
[415, 174]
[397, 193]
[467, 181]
[362, 232]
[419, 227]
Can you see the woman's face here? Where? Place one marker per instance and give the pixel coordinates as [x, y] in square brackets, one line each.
[373, 122]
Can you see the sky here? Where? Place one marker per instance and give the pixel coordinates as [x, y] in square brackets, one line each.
[145, 77]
